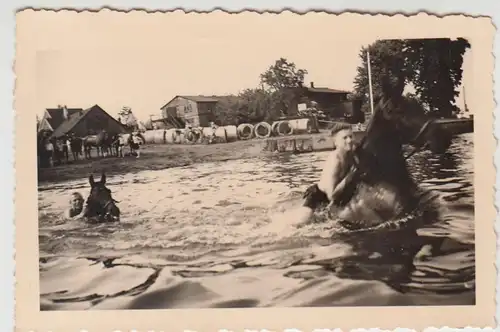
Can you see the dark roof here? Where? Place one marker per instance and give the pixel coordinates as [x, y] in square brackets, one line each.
[67, 125]
[201, 99]
[325, 90]
[197, 99]
[57, 115]
[74, 119]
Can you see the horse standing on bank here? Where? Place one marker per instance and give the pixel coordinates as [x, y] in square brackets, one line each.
[102, 142]
[76, 146]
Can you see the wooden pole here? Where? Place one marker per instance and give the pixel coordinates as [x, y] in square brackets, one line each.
[369, 79]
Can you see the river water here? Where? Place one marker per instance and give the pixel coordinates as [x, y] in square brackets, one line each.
[202, 236]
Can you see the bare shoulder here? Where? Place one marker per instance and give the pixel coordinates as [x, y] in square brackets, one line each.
[333, 158]
[331, 161]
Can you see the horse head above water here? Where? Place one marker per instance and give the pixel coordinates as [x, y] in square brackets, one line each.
[100, 203]
[383, 189]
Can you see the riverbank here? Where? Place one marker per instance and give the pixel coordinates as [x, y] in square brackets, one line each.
[153, 157]
[161, 156]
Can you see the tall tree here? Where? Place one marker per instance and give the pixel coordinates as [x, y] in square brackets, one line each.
[281, 80]
[437, 71]
[283, 74]
[266, 102]
[432, 66]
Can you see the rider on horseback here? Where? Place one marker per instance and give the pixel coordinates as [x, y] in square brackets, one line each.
[337, 171]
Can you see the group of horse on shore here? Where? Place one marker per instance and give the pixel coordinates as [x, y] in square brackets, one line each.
[55, 151]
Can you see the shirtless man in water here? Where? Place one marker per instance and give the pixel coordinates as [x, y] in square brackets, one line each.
[75, 206]
[337, 172]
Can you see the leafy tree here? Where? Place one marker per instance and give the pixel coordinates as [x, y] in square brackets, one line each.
[437, 71]
[265, 103]
[432, 66]
[227, 111]
[127, 118]
[283, 74]
[249, 106]
[386, 59]
[281, 80]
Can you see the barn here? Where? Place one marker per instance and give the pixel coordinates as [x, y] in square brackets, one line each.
[90, 121]
[195, 110]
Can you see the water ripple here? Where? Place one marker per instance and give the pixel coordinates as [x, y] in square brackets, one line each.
[189, 232]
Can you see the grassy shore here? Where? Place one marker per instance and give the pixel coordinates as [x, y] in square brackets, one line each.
[153, 157]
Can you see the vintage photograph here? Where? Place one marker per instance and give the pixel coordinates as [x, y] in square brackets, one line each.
[255, 172]
[264, 196]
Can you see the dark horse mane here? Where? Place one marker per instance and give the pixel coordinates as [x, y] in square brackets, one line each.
[382, 166]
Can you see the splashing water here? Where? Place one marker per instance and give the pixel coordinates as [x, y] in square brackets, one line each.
[217, 235]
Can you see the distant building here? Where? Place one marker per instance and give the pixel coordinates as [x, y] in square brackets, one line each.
[90, 121]
[198, 111]
[54, 117]
[332, 102]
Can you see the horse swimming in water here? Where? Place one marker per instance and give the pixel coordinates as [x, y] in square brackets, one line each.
[382, 188]
[100, 204]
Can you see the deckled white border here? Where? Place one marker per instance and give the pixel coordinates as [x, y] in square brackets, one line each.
[7, 23]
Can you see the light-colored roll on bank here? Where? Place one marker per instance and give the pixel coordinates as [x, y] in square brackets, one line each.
[149, 136]
[245, 131]
[301, 126]
[207, 131]
[231, 133]
[283, 128]
[169, 136]
[274, 128]
[263, 130]
[174, 136]
[221, 134]
[159, 136]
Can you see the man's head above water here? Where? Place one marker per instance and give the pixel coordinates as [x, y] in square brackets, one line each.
[342, 137]
[76, 203]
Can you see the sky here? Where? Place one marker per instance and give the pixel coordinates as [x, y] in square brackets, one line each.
[144, 64]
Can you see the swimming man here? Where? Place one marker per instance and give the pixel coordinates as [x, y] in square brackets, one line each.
[75, 206]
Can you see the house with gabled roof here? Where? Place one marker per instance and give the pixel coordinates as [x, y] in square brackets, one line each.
[53, 117]
[332, 102]
[198, 111]
[90, 121]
